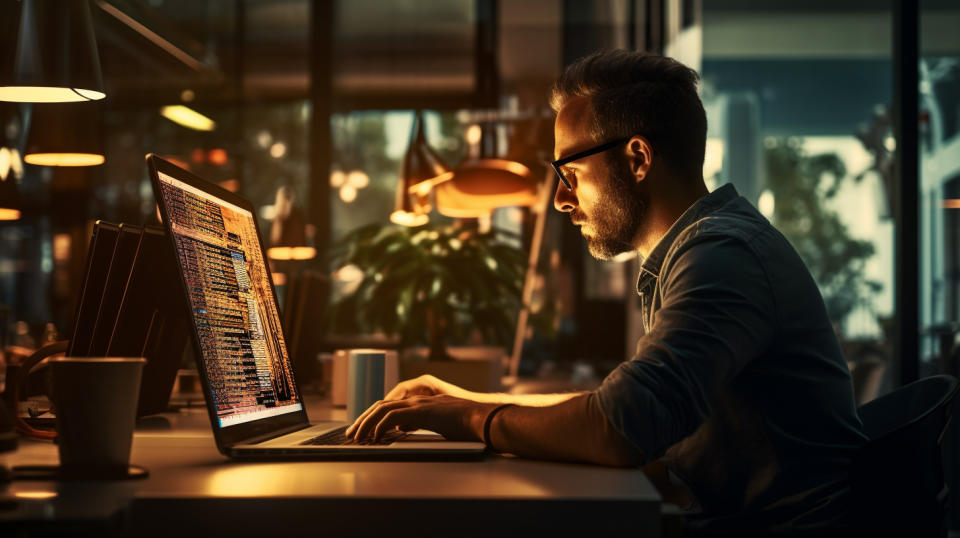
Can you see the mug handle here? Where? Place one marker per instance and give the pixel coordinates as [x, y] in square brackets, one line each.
[18, 385]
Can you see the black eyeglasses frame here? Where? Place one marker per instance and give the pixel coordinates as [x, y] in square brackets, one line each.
[582, 154]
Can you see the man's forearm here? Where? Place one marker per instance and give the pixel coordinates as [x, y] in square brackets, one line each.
[531, 400]
[572, 430]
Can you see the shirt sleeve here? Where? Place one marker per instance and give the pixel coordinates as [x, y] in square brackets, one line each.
[717, 314]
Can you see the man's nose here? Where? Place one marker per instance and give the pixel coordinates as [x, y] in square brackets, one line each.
[564, 200]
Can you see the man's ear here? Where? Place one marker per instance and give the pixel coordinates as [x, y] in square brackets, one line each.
[639, 157]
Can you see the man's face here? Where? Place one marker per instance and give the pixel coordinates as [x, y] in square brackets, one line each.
[605, 200]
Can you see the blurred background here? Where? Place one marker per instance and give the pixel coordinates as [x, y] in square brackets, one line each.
[315, 111]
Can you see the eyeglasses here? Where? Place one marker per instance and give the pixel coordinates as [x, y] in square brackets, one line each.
[586, 153]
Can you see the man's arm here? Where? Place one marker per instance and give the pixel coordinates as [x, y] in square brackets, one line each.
[717, 315]
[572, 430]
[428, 385]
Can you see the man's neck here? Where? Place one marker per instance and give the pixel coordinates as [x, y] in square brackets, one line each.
[664, 211]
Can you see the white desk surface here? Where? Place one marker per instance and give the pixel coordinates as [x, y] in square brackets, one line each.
[192, 489]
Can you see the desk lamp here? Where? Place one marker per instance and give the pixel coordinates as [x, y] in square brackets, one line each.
[422, 168]
[483, 183]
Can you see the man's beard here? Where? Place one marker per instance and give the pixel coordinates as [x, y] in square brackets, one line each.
[619, 217]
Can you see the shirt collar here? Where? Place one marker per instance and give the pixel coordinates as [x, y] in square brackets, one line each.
[650, 268]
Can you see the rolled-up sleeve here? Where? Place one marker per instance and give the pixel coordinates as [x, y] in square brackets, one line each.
[717, 314]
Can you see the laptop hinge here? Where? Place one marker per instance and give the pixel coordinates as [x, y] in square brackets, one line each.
[274, 434]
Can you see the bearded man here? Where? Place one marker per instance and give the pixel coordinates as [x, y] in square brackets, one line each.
[738, 401]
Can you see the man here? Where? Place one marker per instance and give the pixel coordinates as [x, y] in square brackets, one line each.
[738, 391]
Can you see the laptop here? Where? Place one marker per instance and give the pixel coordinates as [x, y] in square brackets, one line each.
[253, 398]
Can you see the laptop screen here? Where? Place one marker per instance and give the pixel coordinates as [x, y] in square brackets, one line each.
[243, 351]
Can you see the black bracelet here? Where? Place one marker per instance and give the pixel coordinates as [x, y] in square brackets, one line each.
[487, 422]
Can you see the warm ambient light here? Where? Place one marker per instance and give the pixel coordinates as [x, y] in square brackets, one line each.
[951, 203]
[35, 495]
[64, 159]
[188, 118]
[407, 218]
[9, 214]
[40, 94]
[291, 253]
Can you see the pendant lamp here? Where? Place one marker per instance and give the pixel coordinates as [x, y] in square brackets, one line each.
[64, 134]
[56, 58]
[422, 168]
[9, 197]
[480, 185]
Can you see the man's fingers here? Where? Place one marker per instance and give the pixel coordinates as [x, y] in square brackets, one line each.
[362, 416]
[373, 417]
[391, 419]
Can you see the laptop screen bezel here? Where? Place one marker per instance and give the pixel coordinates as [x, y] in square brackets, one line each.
[225, 436]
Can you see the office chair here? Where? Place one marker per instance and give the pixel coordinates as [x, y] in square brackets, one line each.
[897, 479]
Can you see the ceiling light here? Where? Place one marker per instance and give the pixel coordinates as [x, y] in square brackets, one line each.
[9, 199]
[56, 59]
[188, 117]
[64, 159]
[64, 134]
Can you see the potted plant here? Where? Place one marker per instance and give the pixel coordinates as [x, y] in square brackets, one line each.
[433, 285]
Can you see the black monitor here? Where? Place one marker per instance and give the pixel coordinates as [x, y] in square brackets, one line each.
[151, 322]
[116, 283]
[102, 243]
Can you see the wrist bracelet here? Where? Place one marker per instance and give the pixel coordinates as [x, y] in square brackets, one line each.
[487, 422]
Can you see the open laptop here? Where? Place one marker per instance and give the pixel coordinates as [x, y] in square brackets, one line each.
[255, 405]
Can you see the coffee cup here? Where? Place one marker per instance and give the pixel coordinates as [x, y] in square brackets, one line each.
[370, 374]
[340, 386]
[96, 404]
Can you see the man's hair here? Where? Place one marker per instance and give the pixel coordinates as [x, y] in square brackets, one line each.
[638, 93]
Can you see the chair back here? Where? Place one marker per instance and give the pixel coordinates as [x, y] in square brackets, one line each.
[897, 479]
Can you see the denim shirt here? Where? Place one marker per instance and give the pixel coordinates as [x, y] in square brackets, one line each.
[738, 385]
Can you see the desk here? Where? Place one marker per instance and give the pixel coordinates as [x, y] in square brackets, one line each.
[193, 490]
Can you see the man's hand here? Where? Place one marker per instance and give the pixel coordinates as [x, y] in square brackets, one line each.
[426, 385]
[454, 418]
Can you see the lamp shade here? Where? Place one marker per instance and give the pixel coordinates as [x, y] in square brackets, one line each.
[56, 58]
[479, 186]
[64, 134]
[9, 198]
[422, 168]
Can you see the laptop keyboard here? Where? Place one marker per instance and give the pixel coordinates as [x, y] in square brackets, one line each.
[338, 437]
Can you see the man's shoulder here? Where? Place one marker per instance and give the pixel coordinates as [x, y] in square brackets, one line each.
[736, 222]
